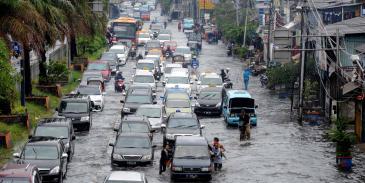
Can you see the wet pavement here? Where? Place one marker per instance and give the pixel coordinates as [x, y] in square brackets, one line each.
[280, 149]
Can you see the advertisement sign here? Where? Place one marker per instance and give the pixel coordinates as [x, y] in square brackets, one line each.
[206, 4]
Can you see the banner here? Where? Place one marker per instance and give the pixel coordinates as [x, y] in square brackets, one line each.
[206, 4]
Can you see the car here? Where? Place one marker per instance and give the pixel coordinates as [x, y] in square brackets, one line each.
[180, 124]
[172, 45]
[145, 15]
[177, 105]
[132, 149]
[60, 128]
[140, 86]
[165, 31]
[178, 80]
[209, 80]
[157, 61]
[135, 124]
[95, 93]
[185, 51]
[94, 76]
[48, 154]
[191, 159]
[126, 177]
[112, 59]
[122, 53]
[19, 173]
[188, 24]
[209, 101]
[148, 65]
[78, 108]
[164, 38]
[168, 68]
[152, 44]
[101, 66]
[143, 38]
[134, 98]
[155, 114]
[144, 77]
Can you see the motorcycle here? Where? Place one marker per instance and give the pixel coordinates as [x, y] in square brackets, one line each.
[119, 85]
[229, 51]
[264, 80]
[228, 84]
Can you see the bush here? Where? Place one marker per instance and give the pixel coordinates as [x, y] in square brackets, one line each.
[89, 45]
[285, 74]
[56, 71]
[344, 139]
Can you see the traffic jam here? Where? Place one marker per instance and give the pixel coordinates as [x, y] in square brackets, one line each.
[140, 108]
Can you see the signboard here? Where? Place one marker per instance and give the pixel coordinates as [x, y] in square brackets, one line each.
[207, 16]
[206, 4]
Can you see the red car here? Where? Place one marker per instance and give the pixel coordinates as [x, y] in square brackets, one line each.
[101, 66]
[145, 16]
[13, 172]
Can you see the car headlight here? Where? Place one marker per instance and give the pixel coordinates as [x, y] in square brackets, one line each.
[177, 168]
[117, 156]
[85, 118]
[147, 157]
[126, 109]
[218, 105]
[170, 136]
[205, 169]
[55, 170]
[197, 104]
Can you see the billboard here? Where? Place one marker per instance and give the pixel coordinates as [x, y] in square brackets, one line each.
[206, 4]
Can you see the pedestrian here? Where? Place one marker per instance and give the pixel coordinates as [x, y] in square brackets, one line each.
[179, 26]
[216, 142]
[246, 77]
[217, 156]
[164, 158]
[244, 125]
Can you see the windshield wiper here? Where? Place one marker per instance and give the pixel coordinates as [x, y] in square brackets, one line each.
[35, 153]
[191, 126]
[129, 147]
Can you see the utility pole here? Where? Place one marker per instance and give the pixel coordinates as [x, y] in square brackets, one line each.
[302, 64]
[237, 12]
[337, 62]
[245, 30]
[269, 37]
[204, 13]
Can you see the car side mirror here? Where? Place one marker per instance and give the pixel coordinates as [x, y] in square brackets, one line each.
[111, 144]
[256, 106]
[122, 101]
[78, 80]
[202, 126]
[115, 129]
[163, 125]
[16, 155]
[164, 116]
[196, 79]
[64, 155]
[154, 146]
[195, 97]
[153, 131]
[134, 67]
[154, 102]
[73, 137]
[56, 109]
[30, 136]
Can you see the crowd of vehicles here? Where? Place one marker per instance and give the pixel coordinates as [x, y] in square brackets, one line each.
[51, 146]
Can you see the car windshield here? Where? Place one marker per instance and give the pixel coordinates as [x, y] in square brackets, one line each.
[133, 142]
[211, 81]
[89, 90]
[61, 132]
[144, 79]
[153, 45]
[117, 50]
[177, 103]
[145, 66]
[40, 152]
[144, 36]
[14, 180]
[210, 96]
[97, 66]
[73, 107]
[141, 99]
[183, 50]
[149, 112]
[178, 80]
[164, 37]
[134, 127]
[182, 123]
[191, 152]
[108, 56]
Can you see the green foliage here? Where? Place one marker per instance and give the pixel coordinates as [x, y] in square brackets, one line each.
[285, 74]
[56, 71]
[240, 51]
[343, 138]
[310, 88]
[90, 45]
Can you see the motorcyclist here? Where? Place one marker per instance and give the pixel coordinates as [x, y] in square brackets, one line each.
[168, 50]
[118, 76]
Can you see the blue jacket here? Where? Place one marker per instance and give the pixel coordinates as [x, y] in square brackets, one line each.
[246, 74]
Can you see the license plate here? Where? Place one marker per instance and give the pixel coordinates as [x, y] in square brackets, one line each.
[207, 112]
[131, 163]
[193, 176]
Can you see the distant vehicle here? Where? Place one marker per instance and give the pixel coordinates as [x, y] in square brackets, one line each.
[60, 128]
[124, 28]
[181, 124]
[184, 51]
[113, 61]
[143, 38]
[173, 105]
[48, 154]
[135, 125]
[101, 66]
[122, 52]
[164, 38]
[155, 114]
[188, 24]
[233, 103]
[126, 177]
[178, 80]
[95, 93]
[136, 98]
[20, 173]
[168, 68]
[78, 108]
[209, 101]
[152, 44]
[132, 149]
[209, 80]
[145, 16]
[191, 159]
[93, 77]
[148, 65]
[144, 77]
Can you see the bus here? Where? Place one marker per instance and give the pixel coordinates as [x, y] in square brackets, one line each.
[124, 28]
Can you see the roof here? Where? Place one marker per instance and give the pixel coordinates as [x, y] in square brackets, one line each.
[119, 46]
[126, 176]
[174, 65]
[126, 19]
[54, 122]
[350, 26]
[239, 93]
[191, 140]
[151, 106]
[325, 4]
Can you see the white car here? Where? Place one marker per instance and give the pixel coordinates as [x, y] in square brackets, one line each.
[178, 80]
[143, 38]
[95, 94]
[168, 68]
[209, 80]
[144, 77]
[155, 114]
[184, 50]
[125, 176]
[122, 52]
[163, 38]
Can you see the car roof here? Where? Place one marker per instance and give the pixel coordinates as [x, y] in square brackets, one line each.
[137, 91]
[185, 47]
[153, 106]
[98, 62]
[140, 85]
[133, 135]
[143, 73]
[174, 65]
[178, 73]
[134, 118]
[17, 170]
[43, 141]
[54, 122]
[126, 176]
[182, 115]
[191, 140]
[146, 61]
[211, 89]
[120, 46]
[238, 94]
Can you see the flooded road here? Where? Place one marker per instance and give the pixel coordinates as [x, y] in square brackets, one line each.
[280, 150]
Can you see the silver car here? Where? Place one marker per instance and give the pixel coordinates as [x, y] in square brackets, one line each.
[155, 114]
